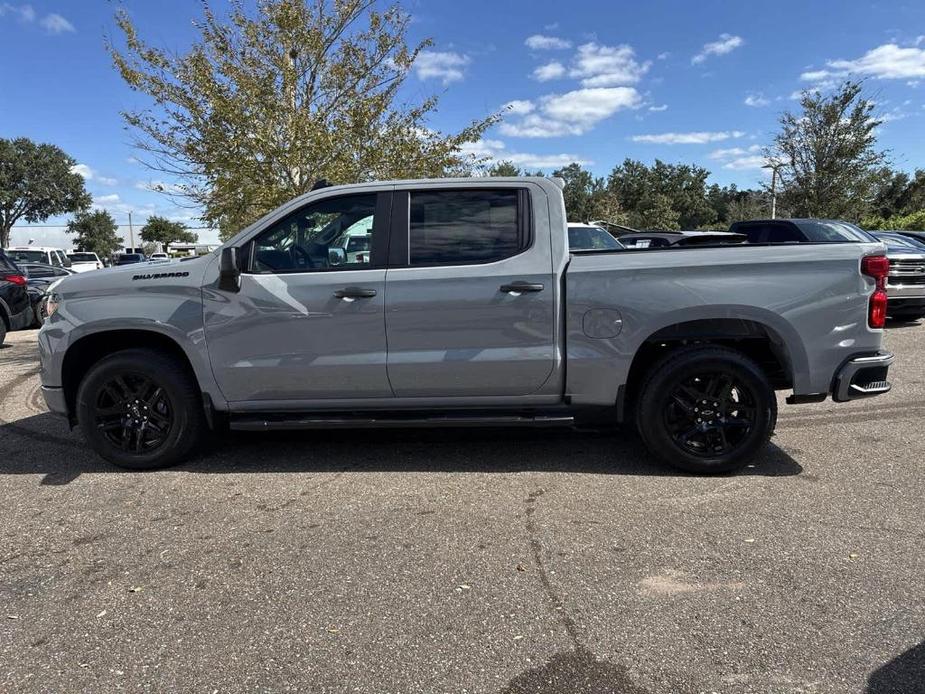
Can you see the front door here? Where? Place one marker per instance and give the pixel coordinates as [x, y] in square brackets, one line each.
[470, 295]
[308, 321]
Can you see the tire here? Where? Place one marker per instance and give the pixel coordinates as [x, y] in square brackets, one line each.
[2, 330]
[678, 418]
[151, 392]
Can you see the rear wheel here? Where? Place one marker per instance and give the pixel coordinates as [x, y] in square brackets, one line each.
[706, 409]
[140, 409]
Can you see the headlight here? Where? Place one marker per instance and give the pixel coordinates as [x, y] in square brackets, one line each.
[51, 304]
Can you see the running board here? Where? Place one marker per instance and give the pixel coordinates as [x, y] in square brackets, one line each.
[282, 423]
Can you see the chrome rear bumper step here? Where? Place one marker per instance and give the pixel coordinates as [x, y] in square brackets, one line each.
[293, 423]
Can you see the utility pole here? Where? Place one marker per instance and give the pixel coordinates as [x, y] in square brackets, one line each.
[131, 233]
[774, 166]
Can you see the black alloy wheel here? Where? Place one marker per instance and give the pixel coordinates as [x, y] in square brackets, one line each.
[710, 414]
[133, 413]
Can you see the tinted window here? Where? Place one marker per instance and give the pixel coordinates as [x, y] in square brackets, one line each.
[29, 256]
[464, 227]
[37, 271]
[829, 231]
[318, 237]
[7, 264]
[82, 257]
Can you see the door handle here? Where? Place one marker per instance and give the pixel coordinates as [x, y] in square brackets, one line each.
[521, 287]
[354, 293]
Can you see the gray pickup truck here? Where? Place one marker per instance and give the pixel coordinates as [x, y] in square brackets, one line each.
[467, 310]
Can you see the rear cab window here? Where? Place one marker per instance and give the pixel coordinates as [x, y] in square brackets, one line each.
[466, 227]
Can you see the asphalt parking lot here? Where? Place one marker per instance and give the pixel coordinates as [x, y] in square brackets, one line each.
[461, 561]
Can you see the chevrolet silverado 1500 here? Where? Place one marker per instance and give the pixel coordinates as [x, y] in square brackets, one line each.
[468, 309]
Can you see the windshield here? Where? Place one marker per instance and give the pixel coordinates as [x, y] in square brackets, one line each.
[29, 256]
[591, 238]
[827, 230]
[897, 240]
[82, 257]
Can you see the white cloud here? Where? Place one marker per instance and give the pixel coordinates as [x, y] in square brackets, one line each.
[56, 24]
[573, 113]
[550, 71]
[663, 107]
[663, 56]
[519, 107]
[888, 61]
[756, 100]
[89, 174]
[740, 158]
[104, 200]
[446, 66]
[497, 151]
[725, 44]
[607, 66]
[24, 13]
[539, 42]
[692, 138]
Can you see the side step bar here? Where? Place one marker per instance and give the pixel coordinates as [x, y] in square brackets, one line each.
[278, 423]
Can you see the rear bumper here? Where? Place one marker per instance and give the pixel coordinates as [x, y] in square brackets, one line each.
[862, 377]
[54, 398]
[23, 320]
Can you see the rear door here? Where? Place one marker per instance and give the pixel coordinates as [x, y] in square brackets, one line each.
[470, 299]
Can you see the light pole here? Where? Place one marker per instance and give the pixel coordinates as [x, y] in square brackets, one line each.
[774, 166]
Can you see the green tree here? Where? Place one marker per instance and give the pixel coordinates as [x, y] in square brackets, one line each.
[504, 168]
[36, 182]
[162, 230]
[644, 191]
[263, 106]
[96, 232]
[587, 198]
[828, 154]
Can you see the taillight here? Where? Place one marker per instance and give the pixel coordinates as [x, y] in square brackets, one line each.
[15, 279]
[876, 314]
[878, 267]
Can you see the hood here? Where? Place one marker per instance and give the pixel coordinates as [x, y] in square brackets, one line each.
[127, 277]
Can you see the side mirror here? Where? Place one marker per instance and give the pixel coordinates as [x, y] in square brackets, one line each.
[229, 273]
[337, 256]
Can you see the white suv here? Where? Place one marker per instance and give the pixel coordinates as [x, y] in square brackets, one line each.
[39, 254]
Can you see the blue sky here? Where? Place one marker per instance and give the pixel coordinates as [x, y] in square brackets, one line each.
[592, 81]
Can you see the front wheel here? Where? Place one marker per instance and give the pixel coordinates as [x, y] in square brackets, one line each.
[706, 409]
[140, 409]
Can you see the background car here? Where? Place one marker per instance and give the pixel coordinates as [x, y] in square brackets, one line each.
[129, 258]
[15, 306]
[39, 254]
[159, 256]
[905, 285]
[82, 261]
[590, 237]
[668, 239]
[38, 277]
[800, 231]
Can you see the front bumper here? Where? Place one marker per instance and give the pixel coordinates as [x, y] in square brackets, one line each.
[862, 377]
[54, 398]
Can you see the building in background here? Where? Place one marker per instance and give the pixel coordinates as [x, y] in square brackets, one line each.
[56, 236]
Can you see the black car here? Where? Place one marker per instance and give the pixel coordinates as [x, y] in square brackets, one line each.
[39, 276]
[129, 258]
[801, 231]
[15, 306]
[678, 239]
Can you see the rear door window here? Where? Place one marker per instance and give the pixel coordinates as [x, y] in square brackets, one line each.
[465, 227]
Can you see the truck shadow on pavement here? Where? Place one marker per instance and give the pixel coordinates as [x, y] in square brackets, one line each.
[905, 673]
[41, 444]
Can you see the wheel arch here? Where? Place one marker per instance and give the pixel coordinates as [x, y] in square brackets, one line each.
[773, 344]
[90, 348]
